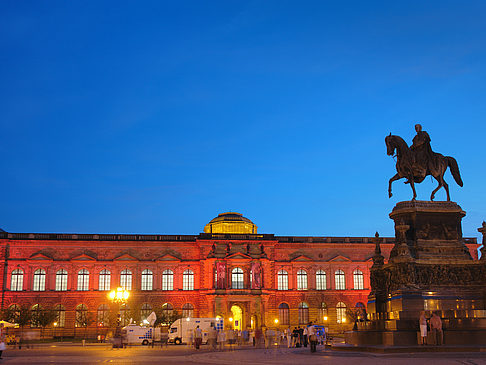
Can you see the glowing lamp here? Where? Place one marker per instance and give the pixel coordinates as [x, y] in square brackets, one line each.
[276, 320]
[325, 318]
[230, 319]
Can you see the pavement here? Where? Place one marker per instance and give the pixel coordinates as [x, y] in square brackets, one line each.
[180, 355]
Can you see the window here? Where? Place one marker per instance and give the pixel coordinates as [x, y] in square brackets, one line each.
[105, 280]
[61, 280]
[322, 313]
[321, 281]
[17, 282]
[188, 280]
[15, 312]
[283, 314]
[340, 280]
[358, 279]
[167, 310]
[126, 279]
[145, 311]
[301, 280]
[39, 280]
[147, 279]
[83, 280]
[237, 278]
[60, 315]
[168, 280]
[303, 313]
[36, 314]
[102, 317]
[341, 312]
[125, 314]
[188, 310]
[82, 319]
[282, 280]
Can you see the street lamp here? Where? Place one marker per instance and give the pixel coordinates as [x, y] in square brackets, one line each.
[119, 295]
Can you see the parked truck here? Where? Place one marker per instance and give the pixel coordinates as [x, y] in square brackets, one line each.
[182, 330]
[141, 335]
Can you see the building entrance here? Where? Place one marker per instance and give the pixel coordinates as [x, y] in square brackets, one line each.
[237, 313]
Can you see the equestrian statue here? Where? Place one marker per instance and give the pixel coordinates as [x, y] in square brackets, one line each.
[417, 161]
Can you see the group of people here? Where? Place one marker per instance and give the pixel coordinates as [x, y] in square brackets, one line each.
[433, 325]
[259, 338]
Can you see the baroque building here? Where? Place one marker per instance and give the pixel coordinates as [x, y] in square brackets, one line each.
[230, 270]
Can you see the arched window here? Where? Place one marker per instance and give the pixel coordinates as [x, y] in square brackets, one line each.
[14, 313]
[283, 314]
[303, 313]
[282, 280]
[125, 314]
[17, 281]
[126, 279]
[358, 279]
[147, 279]
[83, 280]
[82, 319]
[340, 280]
[105, 280]
[321, 280]
[341, 312]
[145, 311]
[167, 310]
[188, 310]
[60, 315]
[301, 280]
[188, 280]
[103, 315]
[323, 313]
[61, 280]
[39, 280]
[167, 280]
[237, 278]
[35, 316]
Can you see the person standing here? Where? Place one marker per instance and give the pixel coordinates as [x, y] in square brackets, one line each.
[212, 336]
[304, 335]
[423, 328]
[436, 327]
[311, 332]
[2, 339]
[288, 335]
[198, 337]
[221, 339]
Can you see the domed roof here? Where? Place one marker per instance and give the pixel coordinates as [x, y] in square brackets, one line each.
[230, 222]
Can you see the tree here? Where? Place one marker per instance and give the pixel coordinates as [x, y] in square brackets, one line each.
[19, 315]
[44, 318]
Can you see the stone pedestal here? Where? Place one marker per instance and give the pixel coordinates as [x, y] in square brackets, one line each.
[430, 269]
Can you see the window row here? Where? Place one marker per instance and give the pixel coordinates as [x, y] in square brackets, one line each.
[321, 280]
[104, 283]
[104, 316]
[303, 312]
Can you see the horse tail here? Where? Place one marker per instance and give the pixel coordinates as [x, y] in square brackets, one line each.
[451, 161]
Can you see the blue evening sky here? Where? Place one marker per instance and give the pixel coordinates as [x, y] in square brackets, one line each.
[153, 116]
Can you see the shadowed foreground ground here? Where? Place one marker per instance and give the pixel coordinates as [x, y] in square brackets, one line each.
[93, 354]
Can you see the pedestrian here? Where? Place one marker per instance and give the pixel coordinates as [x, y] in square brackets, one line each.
[311, 332]
[423, 328]
[436, 327]
[295, 338]
[212, 338]
[198, 335]
[221, 339]
[2, 339]
[304, 333]
[301, 336]
[288, 335]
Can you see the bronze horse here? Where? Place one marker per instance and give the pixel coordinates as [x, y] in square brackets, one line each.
[405, 167]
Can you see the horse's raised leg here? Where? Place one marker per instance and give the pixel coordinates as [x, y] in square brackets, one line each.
[394, 178]
[412, 184]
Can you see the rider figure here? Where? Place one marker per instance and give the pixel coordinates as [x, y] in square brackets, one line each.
[422, 153]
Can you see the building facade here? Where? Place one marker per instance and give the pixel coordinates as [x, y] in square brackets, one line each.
[230, 270]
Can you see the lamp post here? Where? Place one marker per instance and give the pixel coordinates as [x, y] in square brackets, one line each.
[118, 296]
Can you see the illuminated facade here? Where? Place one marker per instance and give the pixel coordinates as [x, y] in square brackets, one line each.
[230, 270]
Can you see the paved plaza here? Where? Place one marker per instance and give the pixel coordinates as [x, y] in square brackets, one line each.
[94, 354]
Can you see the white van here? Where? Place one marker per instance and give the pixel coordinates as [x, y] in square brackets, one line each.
[182, 330]
[141, 335]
